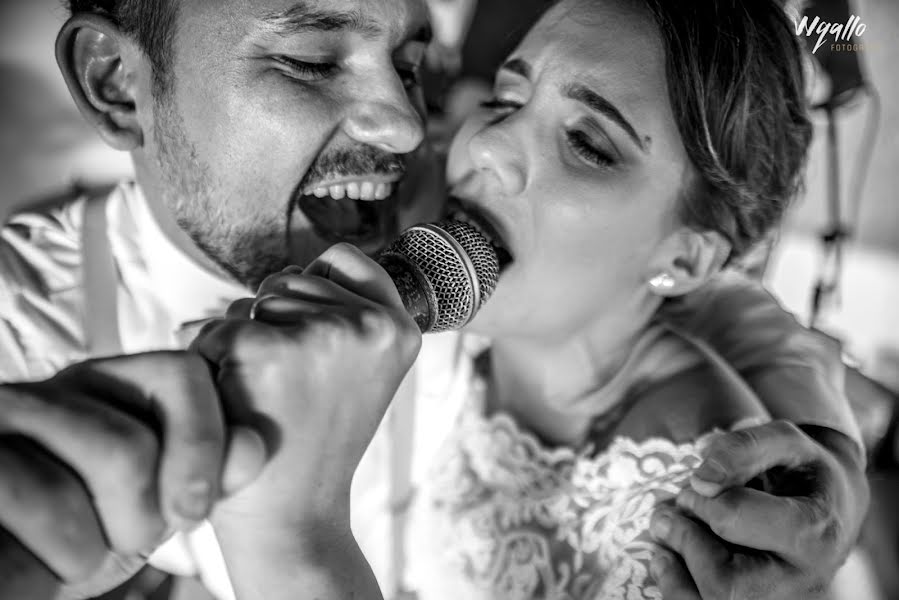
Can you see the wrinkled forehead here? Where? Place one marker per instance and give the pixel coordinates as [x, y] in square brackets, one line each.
[615, 42]
[394, 21]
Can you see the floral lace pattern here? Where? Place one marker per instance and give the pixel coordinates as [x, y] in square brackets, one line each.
[507, 518]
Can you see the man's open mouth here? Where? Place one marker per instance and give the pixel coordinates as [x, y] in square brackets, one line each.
[358, 210]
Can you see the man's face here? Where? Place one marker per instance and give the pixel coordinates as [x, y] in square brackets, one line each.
[289, 126]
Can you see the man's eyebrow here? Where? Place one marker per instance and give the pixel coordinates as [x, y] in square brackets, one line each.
[303, 17]
[594, 101]
[519, 66]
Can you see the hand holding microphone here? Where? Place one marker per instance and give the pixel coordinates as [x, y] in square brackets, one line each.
[312, 362]
[313, 372]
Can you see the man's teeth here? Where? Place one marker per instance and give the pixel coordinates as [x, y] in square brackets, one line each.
[356, 190]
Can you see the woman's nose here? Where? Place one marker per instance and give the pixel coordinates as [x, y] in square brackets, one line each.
[385, 118]
[496, 153]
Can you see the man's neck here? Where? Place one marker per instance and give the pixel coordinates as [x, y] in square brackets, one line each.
[174, 234]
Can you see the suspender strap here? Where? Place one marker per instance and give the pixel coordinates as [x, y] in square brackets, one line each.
[402, 427]
[100, 278]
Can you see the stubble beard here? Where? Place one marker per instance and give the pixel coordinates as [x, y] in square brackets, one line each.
[249, 249]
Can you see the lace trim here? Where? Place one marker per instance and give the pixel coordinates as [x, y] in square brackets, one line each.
[518, 520]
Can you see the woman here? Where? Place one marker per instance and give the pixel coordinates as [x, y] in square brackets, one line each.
[632, 148]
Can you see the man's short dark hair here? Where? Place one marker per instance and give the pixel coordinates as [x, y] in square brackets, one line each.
[150, 22]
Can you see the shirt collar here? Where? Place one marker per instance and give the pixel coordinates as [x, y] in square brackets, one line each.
[188, 291]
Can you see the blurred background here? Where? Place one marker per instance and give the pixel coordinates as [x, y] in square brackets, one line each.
[841, 238]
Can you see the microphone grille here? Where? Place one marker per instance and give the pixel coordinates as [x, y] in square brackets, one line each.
[458, 263]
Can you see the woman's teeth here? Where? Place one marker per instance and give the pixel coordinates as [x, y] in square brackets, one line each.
[355, 190]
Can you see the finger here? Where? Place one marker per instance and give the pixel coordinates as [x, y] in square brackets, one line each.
[755, 519]
[703, 554]
[178, 388]
[672, 577]
[240, 309]
[269, 283]
[350, 268]
[284, 310]
[224, 338]
[736, 457]
[112, 452]
[245, 458]
[45, 506]
[22, 575]
[313, 288]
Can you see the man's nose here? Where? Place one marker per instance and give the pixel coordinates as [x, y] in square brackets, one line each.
[495, 152]
[385, 118]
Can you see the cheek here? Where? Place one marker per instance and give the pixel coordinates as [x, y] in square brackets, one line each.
[601, 244]
[259, 136]
[458, 162]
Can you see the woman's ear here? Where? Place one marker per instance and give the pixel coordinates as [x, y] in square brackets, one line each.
[90, 51]
[685, 260]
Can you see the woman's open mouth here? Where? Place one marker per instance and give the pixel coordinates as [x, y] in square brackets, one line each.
[471, 214]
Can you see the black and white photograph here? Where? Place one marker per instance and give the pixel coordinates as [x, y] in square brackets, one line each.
[449, 300]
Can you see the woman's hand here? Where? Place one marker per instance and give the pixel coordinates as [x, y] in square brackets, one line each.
[314, 369]
[785, 542]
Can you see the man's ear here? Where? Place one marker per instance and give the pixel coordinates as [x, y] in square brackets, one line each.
[89, 50]
[685, 260]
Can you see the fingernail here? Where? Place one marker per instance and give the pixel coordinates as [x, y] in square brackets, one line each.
[660, 526]
[193, 503]
[659, 564]
[711, 471]
[704, 488]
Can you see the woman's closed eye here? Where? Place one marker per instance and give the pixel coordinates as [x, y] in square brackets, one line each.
[306, 71]
[496, 103]
[587, 150]
[501, 108]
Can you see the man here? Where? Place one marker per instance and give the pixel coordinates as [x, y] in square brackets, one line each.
[261, 134]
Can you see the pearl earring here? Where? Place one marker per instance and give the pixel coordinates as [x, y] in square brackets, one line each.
[662, 281]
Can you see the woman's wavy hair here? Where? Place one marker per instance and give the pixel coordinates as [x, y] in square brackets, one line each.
[736, 84]
[152, 23]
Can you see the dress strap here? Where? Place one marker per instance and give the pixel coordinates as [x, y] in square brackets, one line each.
[100, 279]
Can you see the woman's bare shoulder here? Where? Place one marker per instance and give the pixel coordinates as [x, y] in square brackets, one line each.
[686, 405]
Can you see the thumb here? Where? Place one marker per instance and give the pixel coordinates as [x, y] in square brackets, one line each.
[736, 457]
[177, 389]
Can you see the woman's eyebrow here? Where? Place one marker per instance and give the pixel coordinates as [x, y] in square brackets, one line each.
[594, 101]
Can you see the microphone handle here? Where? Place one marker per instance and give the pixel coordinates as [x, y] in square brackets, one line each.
[414, 288]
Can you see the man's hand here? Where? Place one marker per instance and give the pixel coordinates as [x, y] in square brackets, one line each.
[314, 369]
[785, 542]
[104, 460]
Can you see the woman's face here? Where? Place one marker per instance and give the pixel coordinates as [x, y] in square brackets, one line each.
[578, 163]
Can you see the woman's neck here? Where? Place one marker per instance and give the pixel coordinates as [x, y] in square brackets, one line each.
[555, 389]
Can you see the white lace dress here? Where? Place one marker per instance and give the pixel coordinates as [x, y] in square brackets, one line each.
[503, 517]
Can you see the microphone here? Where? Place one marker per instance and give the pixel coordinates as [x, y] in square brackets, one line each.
[444, 272]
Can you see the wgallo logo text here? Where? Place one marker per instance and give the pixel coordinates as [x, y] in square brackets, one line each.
[840, 31]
